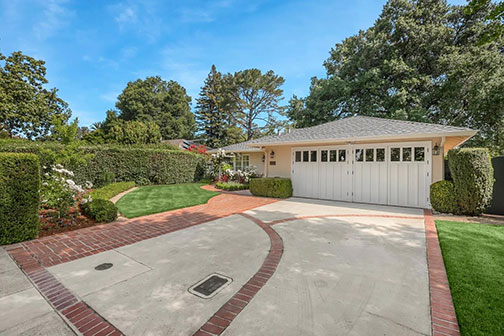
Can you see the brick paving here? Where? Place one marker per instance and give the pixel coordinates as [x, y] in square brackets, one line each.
[72, 245]
[444, 319]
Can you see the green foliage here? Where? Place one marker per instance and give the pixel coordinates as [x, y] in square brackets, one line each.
[19, 197]
[106, 178]
[231, 186]
[111, 190]
[100, 210]
[210, 111]
[253, 97]
[472, 173]
[58, 190]
[147, 164]
[26, 107]
[420, 61]
[494, 13]
[443, 197]
[271, 187]
[155, 100]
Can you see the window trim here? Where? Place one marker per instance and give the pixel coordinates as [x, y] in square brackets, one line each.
[240, 156]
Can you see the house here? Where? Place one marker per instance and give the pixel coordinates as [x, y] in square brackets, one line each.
[357, 159]
[182, 143]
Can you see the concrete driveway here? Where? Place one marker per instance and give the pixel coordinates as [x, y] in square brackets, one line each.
[298, 267]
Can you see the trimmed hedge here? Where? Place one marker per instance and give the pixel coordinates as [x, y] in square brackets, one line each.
[100, 210]
[231, 186]
[141, 164]
[443, 197]
[271, 187]
[472, 172]
[19, 197]
[111, 190]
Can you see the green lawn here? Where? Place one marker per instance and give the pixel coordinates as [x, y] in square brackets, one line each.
[474, 258]
[153, 199]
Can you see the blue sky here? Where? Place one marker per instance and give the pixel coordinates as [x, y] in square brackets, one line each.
[93, 48]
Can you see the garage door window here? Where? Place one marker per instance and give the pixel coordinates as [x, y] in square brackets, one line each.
[306, 156]
[419, 154]
[332, 156]
[313, 156]
[380, 154]
[406, 154]
[298, 156]
[395, 154]
[342, 155]
[359, 155]
[369, 154]
[323, 156]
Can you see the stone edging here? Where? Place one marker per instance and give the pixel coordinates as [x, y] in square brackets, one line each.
[444, 319]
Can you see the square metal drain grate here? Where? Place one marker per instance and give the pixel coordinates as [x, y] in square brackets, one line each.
[210, 285]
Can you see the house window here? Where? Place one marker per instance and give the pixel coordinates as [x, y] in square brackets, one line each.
[298, 156]
[342, 155]
[332, 156]
[359, 155]
[313, 156]
[406, 154]
[306, 156]
[369, 154]
[419, 153]
[380, 154]
[395, 154]
[323, 155]
[241, 162]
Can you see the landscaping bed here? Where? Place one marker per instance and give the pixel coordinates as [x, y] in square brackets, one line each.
[474, 257]
[160, 198]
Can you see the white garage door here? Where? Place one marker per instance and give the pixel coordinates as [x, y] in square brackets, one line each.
[392, 173]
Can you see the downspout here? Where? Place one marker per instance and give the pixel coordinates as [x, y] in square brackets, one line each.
[443, 139]
[266, 156]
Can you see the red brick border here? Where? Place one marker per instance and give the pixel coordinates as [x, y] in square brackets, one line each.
[228, 312]
[81, 316]
[444, 319]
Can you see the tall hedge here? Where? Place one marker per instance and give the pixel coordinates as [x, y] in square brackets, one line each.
[19, 197]
[142, 164]
[271, 187]
[472, 172]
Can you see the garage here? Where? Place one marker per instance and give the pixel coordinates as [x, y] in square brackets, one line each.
[386, 173]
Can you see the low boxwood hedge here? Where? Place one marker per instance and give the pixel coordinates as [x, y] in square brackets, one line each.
[443, 197]
[472, 173]
[19, 197]
[231, 186]
[111, 190]
[271, 187]
[100, 210]
[156, 164]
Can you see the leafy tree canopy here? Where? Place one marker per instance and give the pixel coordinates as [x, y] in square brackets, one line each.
[252, 98]
[494, 14]
[27, 108]
[420, 61]
[155, 100]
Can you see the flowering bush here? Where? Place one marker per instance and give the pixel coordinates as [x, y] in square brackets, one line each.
[216, 165]
[239, 176]
[201, 149]
[59, 192]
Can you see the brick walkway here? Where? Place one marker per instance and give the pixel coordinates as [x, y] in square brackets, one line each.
[72, 245]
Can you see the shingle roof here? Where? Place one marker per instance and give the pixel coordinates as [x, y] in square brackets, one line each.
[362, 127]
[358, 127]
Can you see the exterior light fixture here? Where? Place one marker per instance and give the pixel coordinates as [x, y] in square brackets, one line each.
[272, 155]
[263, 158]
[435, 150]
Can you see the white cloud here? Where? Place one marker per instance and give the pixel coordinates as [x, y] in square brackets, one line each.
[126, 15]
[54, 17]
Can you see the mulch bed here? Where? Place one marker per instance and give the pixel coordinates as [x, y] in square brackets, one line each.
[50, 224]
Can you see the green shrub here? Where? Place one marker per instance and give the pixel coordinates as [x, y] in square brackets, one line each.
[443, 197]
[106, 178]
[111, 190]
[231, 186]
[146, 164]
[472, 173]
[19, 197]
[271, 187]
[100, 210]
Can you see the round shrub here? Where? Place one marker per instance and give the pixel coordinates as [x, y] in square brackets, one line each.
[472, 173]
[231, 186]
[443, 197]
[271, 187]
[100, 210]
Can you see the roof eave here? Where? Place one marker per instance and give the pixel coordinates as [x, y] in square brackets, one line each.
[469, 134]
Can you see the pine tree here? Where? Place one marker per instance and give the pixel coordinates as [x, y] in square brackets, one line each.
[210, 115]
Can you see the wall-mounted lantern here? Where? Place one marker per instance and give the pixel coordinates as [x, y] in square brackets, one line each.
[435, 150]
[272, 154]
[263, 158]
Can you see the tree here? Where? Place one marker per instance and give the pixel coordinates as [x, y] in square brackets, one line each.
[165, 103]
[420, 61]
[26, 107]
[210, 110]
[494, 13]
[253, 97]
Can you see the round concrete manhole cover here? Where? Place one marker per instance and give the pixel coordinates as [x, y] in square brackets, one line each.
[104, 266]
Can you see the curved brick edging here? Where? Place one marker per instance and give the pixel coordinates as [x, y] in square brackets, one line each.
[228, 312]
[444, 319]
[82, 317]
